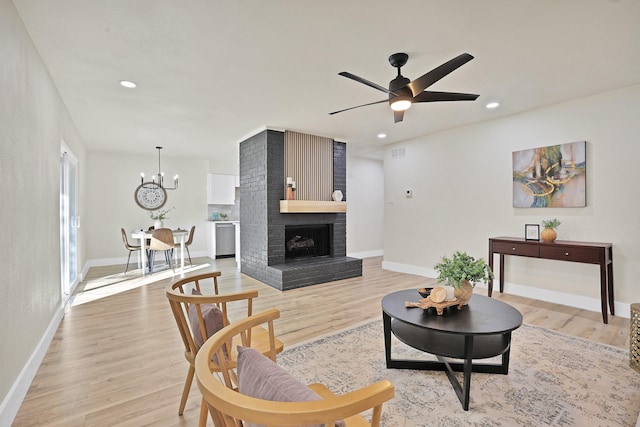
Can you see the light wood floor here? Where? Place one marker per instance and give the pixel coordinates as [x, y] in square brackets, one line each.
[116, 358]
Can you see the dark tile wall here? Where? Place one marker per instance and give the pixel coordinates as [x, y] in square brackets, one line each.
[262, 254]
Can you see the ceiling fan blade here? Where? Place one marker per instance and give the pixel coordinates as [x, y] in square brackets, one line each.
[365, 82]
[428, 96]
[398, 116]
[358, 106]
[423, 82]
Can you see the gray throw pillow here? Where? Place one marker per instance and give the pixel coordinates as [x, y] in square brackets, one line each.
[260, 377]
[213, 320]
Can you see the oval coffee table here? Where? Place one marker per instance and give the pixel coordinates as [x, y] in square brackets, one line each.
[479, 330]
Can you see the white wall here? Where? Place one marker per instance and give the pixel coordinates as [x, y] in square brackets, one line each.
[33, 123]
[463, 196]
[365, 206]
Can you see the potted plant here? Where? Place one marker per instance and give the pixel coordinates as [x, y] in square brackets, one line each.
[462, 271]
[548, 233]
[159, 216]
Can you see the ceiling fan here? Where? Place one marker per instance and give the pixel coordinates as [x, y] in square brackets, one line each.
[403, 92]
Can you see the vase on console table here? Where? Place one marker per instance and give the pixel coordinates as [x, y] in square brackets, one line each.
[158, 224]
[548, 235]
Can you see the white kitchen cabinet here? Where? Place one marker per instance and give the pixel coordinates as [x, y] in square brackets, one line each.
[221, 189]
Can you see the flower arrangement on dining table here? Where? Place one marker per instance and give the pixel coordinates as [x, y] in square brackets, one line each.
[160, 215]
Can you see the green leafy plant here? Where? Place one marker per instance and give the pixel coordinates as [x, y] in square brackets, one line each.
[160, 215]
[551, 223]
[461, 267]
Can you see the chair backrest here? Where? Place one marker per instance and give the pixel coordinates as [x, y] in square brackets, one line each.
[230, 407]
[190, 239]
[161, 239]
[126, 243]
[180, 297]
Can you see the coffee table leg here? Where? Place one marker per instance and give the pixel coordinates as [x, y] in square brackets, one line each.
[386, 321]
[462, 391]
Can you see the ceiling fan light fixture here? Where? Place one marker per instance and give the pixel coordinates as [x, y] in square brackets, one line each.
[493, 105]
[401, 103]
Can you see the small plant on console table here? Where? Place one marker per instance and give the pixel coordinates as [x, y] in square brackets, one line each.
[462, 271]
[548, 233]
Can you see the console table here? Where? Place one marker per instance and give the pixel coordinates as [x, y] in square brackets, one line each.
[560, 250]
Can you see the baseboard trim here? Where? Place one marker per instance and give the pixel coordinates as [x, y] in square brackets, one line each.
[527, 291]
[366, 254]
[11, 404]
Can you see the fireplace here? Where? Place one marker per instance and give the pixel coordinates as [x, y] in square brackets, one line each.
[307, 241]
[319, 255]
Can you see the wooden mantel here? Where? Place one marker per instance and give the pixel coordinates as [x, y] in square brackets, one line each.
[312, 206]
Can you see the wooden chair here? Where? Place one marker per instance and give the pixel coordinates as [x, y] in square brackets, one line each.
[129, 247]
[180, 297]
[161, 240]
[229, 408]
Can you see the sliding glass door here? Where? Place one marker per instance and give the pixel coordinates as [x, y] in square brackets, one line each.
[69, 220]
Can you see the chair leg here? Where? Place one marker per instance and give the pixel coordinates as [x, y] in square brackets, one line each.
[169, 255]
[202, 422]
[127, 267]
[152, 258]
[190, 263]
[187, 387]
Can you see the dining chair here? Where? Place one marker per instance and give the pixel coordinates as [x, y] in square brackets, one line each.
[161, 240]
[199, 316]
[188, 243]
[256, 391]
[128, 246]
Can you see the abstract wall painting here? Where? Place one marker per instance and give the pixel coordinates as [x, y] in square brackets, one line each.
[553, 176]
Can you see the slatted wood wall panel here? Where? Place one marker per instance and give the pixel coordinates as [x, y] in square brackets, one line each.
[308, 159]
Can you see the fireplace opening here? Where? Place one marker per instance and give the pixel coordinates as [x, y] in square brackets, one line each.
[307, 241]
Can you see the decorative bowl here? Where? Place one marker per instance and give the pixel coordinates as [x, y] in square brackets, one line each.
[425, 292]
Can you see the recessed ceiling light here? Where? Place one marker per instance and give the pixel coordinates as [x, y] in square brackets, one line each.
[382, 135]
[128, 84]
[493, 105]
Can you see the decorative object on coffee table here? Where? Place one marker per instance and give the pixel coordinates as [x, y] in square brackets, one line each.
[462, 271]
[549, 234]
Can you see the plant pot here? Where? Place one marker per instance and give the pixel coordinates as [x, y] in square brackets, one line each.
[548, 235]
[158, 224]
[464, 292]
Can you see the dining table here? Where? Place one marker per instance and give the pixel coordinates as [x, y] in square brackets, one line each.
[179, 235]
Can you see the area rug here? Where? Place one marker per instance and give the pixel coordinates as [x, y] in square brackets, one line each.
[553, 380]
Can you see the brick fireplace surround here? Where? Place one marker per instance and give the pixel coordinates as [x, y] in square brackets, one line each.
[262, 235]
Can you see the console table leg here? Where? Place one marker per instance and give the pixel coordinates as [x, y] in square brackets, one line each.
[501, 273]
[603, 292]
[610, 287]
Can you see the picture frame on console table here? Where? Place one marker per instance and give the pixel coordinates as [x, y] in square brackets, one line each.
[532, 232]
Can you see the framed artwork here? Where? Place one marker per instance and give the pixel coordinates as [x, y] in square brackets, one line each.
[531, 232]
[553, 176]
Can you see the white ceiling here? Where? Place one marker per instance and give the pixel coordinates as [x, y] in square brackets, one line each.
[211, 72]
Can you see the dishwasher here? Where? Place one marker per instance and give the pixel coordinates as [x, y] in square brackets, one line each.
[225, 240]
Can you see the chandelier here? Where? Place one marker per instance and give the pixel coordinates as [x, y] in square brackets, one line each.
[159, 180]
